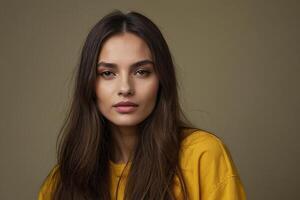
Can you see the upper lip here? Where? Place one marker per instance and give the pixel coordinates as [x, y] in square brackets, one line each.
[125, 103]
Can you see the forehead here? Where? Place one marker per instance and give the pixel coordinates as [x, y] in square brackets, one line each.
[124, 47]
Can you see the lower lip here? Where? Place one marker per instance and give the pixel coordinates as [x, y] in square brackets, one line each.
[125, 109]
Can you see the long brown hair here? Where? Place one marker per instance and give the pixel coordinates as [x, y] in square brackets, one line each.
[83, 151]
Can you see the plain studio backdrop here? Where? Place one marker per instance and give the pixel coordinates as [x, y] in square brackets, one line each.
[238, 69]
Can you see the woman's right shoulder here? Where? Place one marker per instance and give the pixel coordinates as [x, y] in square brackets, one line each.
[48, 186]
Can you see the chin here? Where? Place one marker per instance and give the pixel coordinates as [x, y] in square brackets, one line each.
[125, 122]
[126, 119]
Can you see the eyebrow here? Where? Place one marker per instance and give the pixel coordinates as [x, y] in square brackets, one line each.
[134, 65]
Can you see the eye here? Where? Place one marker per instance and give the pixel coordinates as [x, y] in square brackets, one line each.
[143, 72]
[106, 74]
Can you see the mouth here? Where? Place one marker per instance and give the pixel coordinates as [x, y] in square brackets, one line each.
[125, 109]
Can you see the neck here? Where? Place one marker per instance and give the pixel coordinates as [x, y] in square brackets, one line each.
[124, 139]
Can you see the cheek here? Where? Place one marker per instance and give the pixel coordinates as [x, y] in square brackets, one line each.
[103, 94]
[149, 91]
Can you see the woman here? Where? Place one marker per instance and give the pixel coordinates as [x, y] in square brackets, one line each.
[125, 136]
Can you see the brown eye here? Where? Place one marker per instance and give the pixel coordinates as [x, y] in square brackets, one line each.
[143, 72]
[106, 74]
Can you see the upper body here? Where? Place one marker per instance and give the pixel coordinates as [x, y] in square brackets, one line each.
[207, 167]
[126, 108]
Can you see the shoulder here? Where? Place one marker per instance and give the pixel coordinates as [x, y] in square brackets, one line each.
[46, 189]
[197, 136]
[202, 141]
[204, 155]
[205, 150]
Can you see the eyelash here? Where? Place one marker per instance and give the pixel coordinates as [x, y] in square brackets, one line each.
[145, 72]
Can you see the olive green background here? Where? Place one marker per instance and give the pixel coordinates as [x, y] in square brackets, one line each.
[238, 69]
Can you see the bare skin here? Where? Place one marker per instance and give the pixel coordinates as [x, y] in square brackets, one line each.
[125, 72]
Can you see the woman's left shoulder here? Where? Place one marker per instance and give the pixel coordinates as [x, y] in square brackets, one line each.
[206, 148]
[205, 156]
[201, 138]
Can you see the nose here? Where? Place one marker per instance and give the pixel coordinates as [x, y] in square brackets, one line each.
[126, 86]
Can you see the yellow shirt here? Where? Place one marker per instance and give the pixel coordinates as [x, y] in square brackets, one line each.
[208, 169]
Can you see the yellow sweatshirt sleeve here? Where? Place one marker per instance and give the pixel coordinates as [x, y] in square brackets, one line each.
[208, 169]
[219, 178]
[231, 188]
[45, 192]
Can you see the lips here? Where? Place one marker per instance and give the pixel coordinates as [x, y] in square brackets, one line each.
[125, 103]
[125, 107]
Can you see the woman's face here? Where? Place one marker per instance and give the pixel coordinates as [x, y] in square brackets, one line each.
[125, 72]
